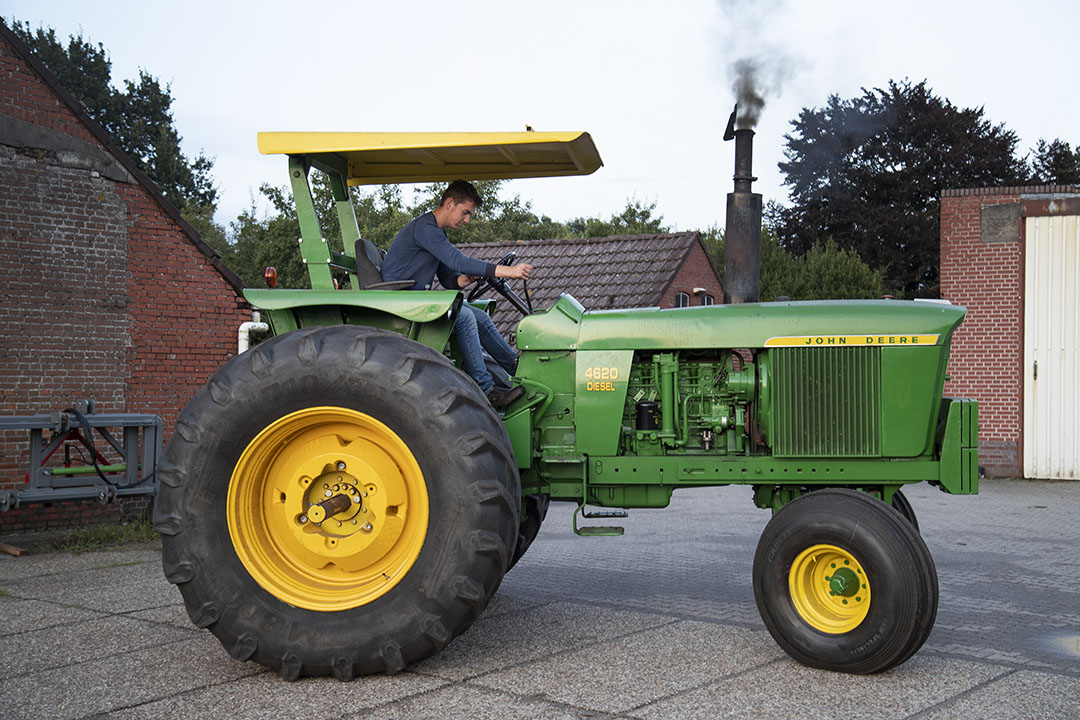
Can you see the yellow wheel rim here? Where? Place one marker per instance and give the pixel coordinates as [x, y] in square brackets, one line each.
[829, 589]
[327, 508]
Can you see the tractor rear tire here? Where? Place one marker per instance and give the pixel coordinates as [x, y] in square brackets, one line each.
[337, 501]
[535, 510]
[844, 583]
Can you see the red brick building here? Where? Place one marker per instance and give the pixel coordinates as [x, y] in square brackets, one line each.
[105, 291]
[625, 271]
[1010, 256]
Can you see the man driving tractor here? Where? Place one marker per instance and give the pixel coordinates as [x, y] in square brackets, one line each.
[421, 251]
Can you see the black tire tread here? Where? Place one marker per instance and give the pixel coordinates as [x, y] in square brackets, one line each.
[252, 624]
[870, 515]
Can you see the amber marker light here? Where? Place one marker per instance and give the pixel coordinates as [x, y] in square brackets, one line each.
[270, 277]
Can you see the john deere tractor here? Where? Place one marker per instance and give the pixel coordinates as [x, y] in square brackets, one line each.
[341, 499]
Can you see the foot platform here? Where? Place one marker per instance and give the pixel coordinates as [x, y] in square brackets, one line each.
[598, 530]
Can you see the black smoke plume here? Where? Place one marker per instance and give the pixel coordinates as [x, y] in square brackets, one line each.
[749, 91]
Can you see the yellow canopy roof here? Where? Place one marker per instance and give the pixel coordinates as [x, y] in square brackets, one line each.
[374, 158]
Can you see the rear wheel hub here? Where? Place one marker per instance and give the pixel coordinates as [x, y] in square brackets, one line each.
[327, 508]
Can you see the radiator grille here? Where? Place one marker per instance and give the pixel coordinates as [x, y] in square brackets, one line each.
[827, 402]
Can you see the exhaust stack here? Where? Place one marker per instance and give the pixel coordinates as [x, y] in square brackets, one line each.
[742, 233]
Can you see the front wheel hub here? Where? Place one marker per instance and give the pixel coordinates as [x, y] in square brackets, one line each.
[829, 589]
[327, 508]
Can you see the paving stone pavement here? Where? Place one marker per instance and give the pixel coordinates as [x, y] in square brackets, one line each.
[660, 623]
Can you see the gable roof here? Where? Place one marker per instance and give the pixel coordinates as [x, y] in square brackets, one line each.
[121, 157]
[602, 273]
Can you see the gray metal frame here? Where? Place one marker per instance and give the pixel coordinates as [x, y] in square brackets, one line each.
[139, 447]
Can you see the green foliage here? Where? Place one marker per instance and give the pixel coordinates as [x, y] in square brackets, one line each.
[825, 272]
[260, 242]
[254, 242]
[1055, 163]
[139, 117]
[867, 172]
[636, 219]
[201, 217]
[497, 220]
[380, 214]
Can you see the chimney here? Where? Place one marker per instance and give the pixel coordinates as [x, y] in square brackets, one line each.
[742, 233]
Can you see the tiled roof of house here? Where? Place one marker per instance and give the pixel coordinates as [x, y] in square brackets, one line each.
[601, 273]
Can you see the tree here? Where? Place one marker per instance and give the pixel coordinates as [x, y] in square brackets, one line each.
[867, 173]
[139, 117]
[497, 219]
[1055, 163]
[635, 219]
[260, 242]
[825, 272]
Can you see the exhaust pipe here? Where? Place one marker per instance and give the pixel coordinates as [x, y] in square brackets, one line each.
[742, 232]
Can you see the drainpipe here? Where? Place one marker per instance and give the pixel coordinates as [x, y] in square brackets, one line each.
[243, 336]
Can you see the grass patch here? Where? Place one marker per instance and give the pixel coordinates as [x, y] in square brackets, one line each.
[97, 537]
[116, 565]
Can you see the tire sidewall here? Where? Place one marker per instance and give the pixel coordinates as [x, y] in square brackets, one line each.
[395, 381]
[882, 551]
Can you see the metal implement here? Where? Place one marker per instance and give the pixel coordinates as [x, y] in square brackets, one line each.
[121, 462]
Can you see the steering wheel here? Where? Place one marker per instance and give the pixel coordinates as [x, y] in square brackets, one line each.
[500, 286]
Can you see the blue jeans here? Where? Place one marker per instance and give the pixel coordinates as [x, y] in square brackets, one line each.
[475, 333]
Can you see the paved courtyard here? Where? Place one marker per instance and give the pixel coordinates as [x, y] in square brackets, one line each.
[660, 623]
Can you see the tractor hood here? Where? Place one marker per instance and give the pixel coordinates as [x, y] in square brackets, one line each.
[892, 323]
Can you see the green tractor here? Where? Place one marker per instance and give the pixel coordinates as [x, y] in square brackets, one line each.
[341, 499]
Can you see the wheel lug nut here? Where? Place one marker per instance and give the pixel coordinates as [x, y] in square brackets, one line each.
[340, 465]
[367, 527]
[303, 519]
[328, 493]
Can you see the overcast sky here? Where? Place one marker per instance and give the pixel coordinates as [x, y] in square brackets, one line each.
[651, 81]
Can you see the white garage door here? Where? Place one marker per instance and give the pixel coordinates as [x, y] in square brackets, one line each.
[1052, 347]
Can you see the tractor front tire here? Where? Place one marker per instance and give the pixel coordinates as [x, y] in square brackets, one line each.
[845, 583]
[534, 510]
[337, 501]
[902, 505]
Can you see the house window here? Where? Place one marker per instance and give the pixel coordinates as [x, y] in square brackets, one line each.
[682, 299]
[707, 299]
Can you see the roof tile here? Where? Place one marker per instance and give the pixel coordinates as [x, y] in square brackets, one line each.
[602, 273]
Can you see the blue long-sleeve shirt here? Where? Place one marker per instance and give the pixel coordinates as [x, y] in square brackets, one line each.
[421, 251]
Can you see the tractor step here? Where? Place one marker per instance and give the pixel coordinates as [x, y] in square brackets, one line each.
[604, 514]
[598, 530]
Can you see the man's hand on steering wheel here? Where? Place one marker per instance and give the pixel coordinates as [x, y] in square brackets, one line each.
[504, 268]
[520, 271]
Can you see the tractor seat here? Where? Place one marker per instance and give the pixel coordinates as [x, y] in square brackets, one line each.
[368, 267]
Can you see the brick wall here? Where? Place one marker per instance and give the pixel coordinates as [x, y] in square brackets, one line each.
[987, 349]
[696, 272]
[103, 294]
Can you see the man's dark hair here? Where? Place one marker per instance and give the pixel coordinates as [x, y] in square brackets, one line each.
[460, 191]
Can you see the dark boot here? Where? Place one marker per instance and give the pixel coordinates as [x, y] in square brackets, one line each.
[501, 398]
